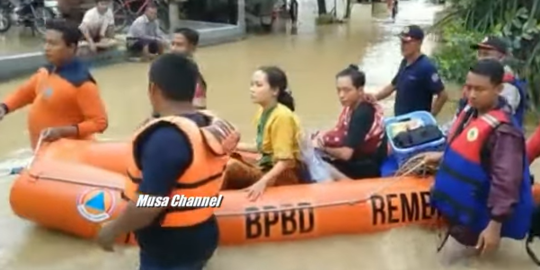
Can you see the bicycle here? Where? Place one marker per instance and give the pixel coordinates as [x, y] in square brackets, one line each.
[124, 14]
[29, 13]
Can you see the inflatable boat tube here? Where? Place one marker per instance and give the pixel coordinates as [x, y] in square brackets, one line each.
[113, 156]
[77, 198]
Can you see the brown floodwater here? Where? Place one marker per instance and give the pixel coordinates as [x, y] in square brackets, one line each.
[311, 58]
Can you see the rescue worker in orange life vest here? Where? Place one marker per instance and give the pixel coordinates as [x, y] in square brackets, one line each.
[175, 154]
[483, 185]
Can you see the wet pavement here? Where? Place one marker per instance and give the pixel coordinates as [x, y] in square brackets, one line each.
[19, 40]
[311, 59]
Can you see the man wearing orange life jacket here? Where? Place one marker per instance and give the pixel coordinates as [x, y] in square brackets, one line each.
[63, 96]
[357, 145]
[184, 152]
[483, 187]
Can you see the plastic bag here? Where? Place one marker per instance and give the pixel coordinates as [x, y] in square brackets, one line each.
[445, 128]
[317, 167]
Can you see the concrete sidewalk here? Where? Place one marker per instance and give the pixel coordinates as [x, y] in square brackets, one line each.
[21, 56]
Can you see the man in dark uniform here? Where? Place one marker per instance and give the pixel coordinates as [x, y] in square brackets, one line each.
[417, 79]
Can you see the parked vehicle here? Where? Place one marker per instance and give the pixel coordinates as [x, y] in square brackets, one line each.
[28, 13]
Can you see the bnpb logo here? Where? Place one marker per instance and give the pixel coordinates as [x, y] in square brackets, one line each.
[96, 205]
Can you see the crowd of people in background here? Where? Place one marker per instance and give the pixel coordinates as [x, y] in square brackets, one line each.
[144, 39]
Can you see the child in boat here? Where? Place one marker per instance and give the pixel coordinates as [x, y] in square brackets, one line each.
[278, 129]
[357, 145]
[63, 96]
[186, 40]
[483, 187]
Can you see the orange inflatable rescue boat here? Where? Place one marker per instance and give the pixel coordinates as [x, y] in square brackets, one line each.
[74, 186]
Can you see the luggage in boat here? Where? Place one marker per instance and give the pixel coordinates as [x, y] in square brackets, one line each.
[413, 133]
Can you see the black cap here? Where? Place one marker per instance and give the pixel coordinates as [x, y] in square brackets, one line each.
[490, 68]
[412, 32]
[492, 43]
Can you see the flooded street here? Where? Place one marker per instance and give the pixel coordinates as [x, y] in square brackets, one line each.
[311, 59]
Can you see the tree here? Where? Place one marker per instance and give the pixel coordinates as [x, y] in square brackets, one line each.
[516, 20]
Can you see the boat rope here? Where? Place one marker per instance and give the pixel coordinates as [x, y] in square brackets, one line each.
[36, 151]
[412, 166]
[415, 164]
[37, 176]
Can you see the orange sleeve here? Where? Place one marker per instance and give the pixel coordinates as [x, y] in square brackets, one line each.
[93, 110]
[24, 95]
[533, 146]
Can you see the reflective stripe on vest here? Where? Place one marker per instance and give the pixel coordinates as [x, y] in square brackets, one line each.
[204, 178]
[461, 187]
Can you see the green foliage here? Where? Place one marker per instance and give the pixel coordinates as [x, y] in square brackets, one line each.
[468, 21]
[454, 56]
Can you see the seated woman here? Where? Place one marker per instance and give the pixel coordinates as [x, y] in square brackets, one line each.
[276, 141]
[357, 145]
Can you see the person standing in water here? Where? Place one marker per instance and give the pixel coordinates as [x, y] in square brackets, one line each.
[181, 153]
[417, 79]
[64, 97]
[357, 145]
[514, 90]
[186, 40]
[394, 9]
[278, 131]
[293, 12]
[483, 186]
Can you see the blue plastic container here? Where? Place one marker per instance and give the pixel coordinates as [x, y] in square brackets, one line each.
[403, 154]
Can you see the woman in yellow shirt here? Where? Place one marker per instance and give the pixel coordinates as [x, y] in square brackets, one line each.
[278, 131]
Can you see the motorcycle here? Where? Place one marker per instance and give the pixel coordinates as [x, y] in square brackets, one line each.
[27, 13]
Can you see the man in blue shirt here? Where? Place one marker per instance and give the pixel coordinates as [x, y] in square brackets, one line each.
[165, 153]
[417, 80]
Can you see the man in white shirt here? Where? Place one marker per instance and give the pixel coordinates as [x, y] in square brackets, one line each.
[144, 36]
[513, 89]
[496, 48]
[98, 26]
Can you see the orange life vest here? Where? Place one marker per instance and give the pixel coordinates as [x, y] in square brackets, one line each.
[204, 178]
